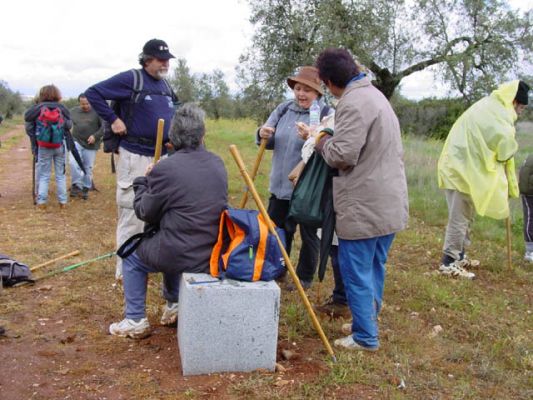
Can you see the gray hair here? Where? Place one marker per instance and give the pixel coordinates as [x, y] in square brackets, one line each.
[187, 127]
[144, 58]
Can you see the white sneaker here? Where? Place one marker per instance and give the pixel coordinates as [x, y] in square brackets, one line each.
[346, 329]
[170, 314]
[348, 343]
[467, 263]
[529, 256]
[456, 270]
[129, 328]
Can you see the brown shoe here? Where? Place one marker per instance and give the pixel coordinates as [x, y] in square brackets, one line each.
[41, 207]
[62, 206]
[334, 310]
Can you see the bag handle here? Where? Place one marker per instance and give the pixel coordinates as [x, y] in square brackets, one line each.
[131, 244]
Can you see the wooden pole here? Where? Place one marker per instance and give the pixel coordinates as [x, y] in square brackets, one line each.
[159, 140]
[262, 147]
[235, 153]
[72, 254]
[509, 246]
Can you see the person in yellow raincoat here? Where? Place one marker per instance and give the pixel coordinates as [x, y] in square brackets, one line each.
[476, 169]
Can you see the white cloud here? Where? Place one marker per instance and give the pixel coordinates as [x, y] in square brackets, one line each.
[75, 44]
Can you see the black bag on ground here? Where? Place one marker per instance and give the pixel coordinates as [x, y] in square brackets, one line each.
[13, 272]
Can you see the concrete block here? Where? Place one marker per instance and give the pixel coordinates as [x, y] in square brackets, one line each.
[227, 326]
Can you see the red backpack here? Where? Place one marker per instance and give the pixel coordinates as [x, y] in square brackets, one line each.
[50, 129]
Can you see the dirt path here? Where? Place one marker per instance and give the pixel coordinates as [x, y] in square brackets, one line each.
[57, 344]
[15, 167]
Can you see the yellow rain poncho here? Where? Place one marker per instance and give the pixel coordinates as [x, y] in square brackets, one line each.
[477, 158]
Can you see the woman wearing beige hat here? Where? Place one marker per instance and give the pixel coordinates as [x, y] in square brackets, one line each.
[281, 131]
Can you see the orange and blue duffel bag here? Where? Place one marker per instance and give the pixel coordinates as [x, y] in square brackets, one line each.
[245, 249]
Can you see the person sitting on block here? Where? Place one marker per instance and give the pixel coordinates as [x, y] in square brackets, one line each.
[180, 199]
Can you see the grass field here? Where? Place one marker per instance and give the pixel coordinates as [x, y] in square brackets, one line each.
[484, 351]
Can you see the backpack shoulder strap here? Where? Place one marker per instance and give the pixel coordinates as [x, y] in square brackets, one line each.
[138, 84]
[283, 111]
[173, 95]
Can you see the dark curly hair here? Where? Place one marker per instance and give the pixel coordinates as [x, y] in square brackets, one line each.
[336, 66]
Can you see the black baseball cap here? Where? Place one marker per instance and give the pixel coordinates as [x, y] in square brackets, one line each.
[157, 48]
[522, 93]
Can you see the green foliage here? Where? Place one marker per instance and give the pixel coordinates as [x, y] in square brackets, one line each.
[184, 83]
[429, 117]
[473, 44]
[70, 102]
[214, 96]
[209, 90]
[10, 102]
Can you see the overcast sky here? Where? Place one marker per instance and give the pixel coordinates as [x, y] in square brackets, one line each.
[74, 44]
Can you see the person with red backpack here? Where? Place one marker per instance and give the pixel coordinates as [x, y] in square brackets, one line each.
[47, 124]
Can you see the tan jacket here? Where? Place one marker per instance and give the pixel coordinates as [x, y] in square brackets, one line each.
[370, 193]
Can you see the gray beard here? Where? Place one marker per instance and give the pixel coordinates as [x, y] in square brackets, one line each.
[161, 75]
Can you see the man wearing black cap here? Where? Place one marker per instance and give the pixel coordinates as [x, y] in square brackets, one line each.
[142, 97]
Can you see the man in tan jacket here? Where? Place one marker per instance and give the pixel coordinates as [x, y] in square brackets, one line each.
[370, 193]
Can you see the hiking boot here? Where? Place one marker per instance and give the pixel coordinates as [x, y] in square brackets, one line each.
[291, 287]
[85, 193]
[456, 271]
[75, 191]
[170, 314]
[62, 206]
[333, 309]
[350, 344]
[529, 256]
[129, 328]
[41, 207]
[467, 263]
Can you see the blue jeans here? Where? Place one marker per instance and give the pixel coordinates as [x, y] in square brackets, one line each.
[339, 294]
[135, 277]
[87, 157]
[362, 265]
[45, 159]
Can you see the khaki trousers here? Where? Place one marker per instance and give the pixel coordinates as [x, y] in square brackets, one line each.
[461, 214]
[129, 167]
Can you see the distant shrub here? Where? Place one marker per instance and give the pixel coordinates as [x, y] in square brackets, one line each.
[429, 117]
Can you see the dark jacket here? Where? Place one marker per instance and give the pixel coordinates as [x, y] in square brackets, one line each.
[525, 177]
[183, 196]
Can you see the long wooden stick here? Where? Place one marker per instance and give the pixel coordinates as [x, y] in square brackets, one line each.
[262, 147]
[159, 140]
[509, 247]
[235, 153]
[72, 254]
[74, 266]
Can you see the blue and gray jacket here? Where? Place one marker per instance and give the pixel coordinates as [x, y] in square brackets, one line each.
[286, 143]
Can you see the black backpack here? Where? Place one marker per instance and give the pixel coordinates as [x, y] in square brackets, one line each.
[13, 272]
[112, 141]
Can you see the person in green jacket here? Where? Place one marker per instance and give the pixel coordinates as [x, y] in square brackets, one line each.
[87, 132]
[476, 169]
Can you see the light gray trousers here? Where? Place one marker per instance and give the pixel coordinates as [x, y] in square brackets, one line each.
[461, 214]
